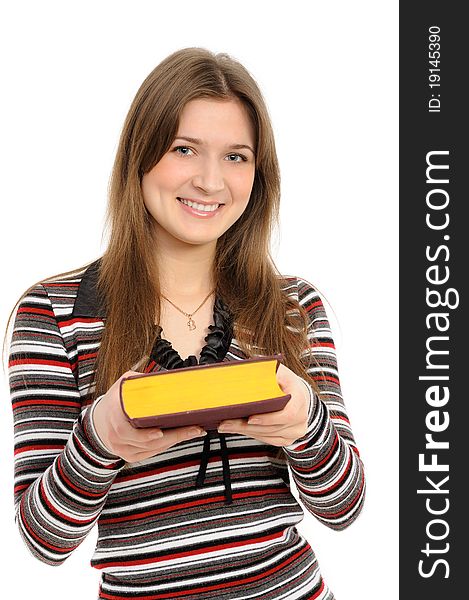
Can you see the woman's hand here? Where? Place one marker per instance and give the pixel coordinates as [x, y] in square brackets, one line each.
[282, 427]
[126, 441]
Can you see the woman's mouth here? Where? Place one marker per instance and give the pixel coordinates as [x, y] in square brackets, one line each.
[200, 210]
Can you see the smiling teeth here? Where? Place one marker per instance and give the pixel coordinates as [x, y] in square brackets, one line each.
[204, 207]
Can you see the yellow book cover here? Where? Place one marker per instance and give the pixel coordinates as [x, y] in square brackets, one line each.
[203, 395]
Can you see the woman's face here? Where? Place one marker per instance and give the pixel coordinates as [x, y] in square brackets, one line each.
[211, 162]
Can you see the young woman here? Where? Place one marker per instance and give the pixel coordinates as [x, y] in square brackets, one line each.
[186, 279]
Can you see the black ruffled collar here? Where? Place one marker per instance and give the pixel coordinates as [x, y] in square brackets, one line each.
[216, 346]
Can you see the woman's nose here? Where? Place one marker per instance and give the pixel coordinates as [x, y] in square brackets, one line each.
[209, 177]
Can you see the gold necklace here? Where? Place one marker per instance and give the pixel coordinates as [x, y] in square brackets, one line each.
[190, 323]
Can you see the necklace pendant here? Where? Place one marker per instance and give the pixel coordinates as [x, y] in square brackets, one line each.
[191, 324]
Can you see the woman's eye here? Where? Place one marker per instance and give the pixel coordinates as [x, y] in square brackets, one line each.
[179, 150]
[238, 156]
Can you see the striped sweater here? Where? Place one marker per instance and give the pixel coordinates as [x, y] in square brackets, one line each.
[159, 535]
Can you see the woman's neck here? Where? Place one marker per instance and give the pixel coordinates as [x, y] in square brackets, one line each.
[185, 271]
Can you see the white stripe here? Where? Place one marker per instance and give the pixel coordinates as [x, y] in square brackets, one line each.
[33, 392]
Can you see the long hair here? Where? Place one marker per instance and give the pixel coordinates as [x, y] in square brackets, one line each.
[243, 269]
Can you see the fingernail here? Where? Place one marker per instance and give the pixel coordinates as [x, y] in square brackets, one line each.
[253, 421]
[157, 434]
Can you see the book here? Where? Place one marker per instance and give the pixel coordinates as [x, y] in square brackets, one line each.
[203, 395]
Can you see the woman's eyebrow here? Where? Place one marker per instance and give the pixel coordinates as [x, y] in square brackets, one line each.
[200, 142]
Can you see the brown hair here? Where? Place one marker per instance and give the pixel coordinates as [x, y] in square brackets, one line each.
[247, 278]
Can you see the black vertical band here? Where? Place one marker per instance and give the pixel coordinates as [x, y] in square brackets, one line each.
[434, 236]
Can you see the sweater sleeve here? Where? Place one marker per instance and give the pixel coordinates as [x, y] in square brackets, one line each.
[325, 462]
[62, 470]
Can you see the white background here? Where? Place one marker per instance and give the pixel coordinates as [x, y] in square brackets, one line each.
[328, 71]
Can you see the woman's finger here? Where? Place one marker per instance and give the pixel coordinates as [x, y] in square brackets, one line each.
[138, 437]
[271, 419]
[170, 437]
[268, 423]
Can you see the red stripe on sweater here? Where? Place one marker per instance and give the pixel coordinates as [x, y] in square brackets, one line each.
[79, 320]
[39, 447]
[310, 307]
[81, 491]
[87, 356]
[51, 507]
[37, 361]
[319, 344]
[23, 486]
[36, 311]
[186, 505]
[317, 377]
[340, 417]
[52, 402]
[150, 366]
